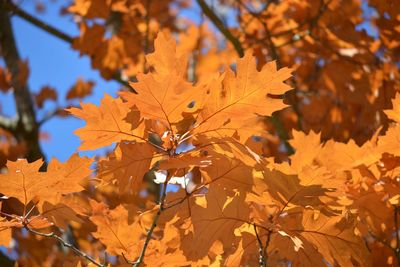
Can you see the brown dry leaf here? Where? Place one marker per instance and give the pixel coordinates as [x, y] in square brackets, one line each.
[106, 124]
[46, 93]
[5, 80]
[80, 89]
[90, 39]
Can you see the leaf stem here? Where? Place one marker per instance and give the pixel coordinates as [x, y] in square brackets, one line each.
[261, 250]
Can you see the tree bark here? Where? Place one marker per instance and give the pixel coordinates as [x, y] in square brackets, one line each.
[27, 127]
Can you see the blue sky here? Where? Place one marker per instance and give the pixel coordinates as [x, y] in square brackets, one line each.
[52, 62]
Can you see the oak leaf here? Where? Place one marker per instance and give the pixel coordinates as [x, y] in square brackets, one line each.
[106, 124]
[116, 231]
[24, 182]
[237, 97]
[163, 94]
[127, 164]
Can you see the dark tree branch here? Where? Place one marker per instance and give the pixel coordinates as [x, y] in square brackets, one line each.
[51, 115]
[27, 128]
[15, 10]
[221, 27]
[8, 124]
[396, 226]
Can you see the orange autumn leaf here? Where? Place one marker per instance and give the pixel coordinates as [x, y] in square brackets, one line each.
[214, 160]
[394, 113]
[165, 59]
[115, 231]
[127, 165]
[24, 182]
[163, 94]
[236, 97]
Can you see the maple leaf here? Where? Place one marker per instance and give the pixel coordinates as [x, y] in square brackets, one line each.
[106, 124]
[335, 156]
[60, 214]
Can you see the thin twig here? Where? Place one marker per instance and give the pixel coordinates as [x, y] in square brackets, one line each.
[44, 26]
[266, 246]
[153, 226]
[261, 248]
[48, 116]
[65, 244]
[396, 225]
